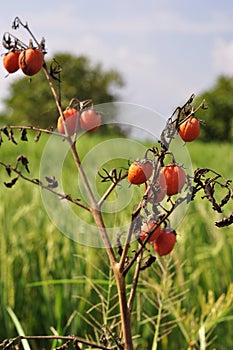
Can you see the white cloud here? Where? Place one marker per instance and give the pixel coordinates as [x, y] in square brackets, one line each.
[223, 56]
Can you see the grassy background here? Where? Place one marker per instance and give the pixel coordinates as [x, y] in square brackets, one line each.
[51, 281]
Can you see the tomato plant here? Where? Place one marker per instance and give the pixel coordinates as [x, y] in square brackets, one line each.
[11, 61]
[166, 180]
[189, 129]
[31, 61]
[140, 171]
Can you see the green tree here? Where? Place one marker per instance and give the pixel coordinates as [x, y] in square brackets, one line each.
[30, 101]
[219, 114]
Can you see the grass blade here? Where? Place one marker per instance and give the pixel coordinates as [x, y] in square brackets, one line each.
[18, 327]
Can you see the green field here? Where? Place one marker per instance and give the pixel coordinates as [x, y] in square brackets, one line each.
[48, 280]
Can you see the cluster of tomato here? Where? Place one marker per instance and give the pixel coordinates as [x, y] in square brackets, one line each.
[162, 239]
[87, 119]
[29, 60]
[171, 179]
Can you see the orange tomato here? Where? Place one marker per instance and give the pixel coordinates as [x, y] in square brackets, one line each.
[189, 130]
[71, 118]
[31, 61]
[172, 179]
[165, 243]
[140, 171]
[11, 61]
[90, 120]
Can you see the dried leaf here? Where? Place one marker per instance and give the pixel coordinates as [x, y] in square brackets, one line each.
[52, 182]
[5, 130]
[11, 136]
[198, 173]
[226, 199]
[11, 183]
[21, 158]
[227, 221]
[24, 135]
[150, 260]
[8, 170]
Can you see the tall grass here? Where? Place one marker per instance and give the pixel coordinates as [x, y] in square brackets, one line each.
[52, 283]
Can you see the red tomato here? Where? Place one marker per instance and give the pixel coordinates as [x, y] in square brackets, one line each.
[140, 171]
[172, 179]
[71, 118]
[189, 130]
[165, 243]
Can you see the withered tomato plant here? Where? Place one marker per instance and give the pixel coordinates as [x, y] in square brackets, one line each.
[150, 221]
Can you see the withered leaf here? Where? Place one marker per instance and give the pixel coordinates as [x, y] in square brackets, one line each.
[11, 136]
[8, 170]
[151, 259]
[24, 135]
[226, 199]
[11, 183]
[52, 182]
[198, 173]
[21, 158]
[227, 221]
[5, 130]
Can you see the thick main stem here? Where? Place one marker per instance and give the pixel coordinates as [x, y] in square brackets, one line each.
[124, 309]
[97, 215]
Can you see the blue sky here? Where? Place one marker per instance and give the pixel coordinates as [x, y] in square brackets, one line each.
[165, 49]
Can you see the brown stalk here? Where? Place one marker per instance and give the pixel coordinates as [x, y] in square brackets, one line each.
[97, 215]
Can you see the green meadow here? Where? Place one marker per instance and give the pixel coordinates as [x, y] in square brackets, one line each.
[54, 284]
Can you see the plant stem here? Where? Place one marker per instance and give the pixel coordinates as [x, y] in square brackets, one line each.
[97, 215]
[124, 310]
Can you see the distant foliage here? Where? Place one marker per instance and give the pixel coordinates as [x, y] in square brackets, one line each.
[219, 114]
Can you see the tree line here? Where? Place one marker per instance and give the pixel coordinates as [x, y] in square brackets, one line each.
[32, 103]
